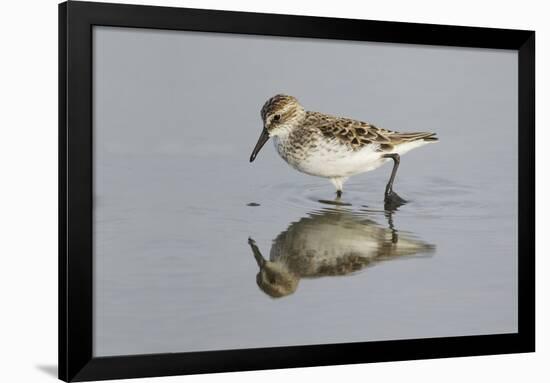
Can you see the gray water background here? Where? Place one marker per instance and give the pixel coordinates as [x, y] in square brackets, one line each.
[176, 115]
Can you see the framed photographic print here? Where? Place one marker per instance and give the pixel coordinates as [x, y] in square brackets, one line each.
[246, 191]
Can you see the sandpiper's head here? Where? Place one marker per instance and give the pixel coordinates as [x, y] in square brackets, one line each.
[280, 114]
[276, 280]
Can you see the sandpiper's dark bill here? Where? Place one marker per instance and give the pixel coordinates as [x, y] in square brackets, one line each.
[264, 137]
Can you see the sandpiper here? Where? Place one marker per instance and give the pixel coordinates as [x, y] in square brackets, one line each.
[332, 147]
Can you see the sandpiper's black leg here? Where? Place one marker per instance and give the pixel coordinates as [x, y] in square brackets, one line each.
[391, 199]
[396, 160]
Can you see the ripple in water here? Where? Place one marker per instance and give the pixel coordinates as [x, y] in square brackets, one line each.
[433, 197]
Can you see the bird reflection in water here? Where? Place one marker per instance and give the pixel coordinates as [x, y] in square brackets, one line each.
[330, 242]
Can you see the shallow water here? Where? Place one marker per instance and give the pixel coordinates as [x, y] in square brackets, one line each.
[197, 249]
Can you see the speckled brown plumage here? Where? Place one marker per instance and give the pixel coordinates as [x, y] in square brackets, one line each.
[358, 134]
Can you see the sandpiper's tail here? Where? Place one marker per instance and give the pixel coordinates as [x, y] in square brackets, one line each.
[414, 136]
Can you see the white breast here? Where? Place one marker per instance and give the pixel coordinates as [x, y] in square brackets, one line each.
[331, 159]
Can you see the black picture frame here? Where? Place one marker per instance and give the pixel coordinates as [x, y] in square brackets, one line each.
[76, 20]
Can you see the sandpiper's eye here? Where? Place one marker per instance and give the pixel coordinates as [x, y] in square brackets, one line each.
[276, 117]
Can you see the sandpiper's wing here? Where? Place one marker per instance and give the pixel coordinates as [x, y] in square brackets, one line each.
[357, 134]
